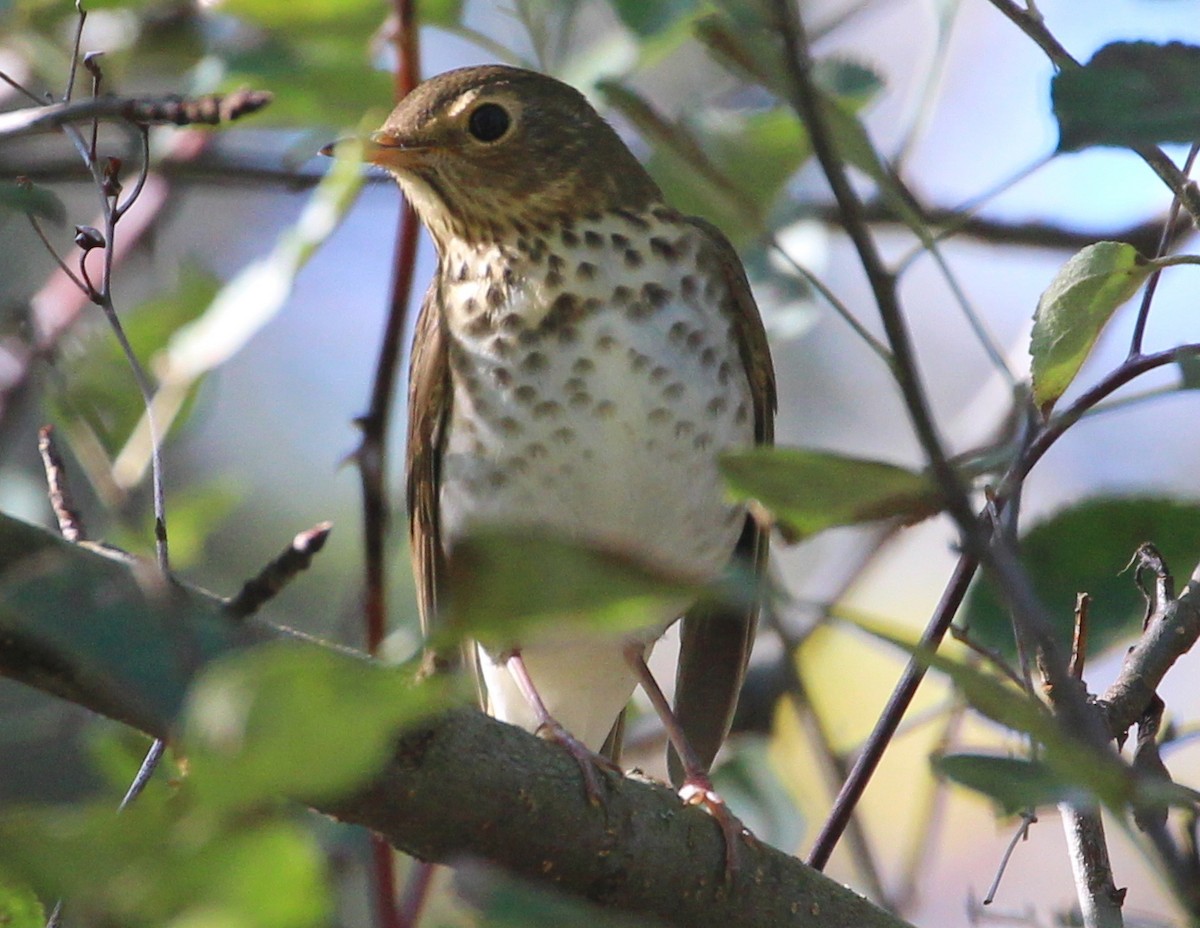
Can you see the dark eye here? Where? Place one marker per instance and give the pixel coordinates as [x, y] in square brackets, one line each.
[488, 122]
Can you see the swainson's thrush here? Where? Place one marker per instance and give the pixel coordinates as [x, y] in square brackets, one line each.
[583, 355]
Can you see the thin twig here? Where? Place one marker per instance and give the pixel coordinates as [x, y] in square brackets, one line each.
[1164, 242]
[1022, 832]
[293, 560]
[70, 525]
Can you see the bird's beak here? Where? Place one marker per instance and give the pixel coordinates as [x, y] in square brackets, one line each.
[385, 150]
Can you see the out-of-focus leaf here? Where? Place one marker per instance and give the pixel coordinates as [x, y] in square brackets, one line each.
[99, 386]
[19, 907]
[283, 720]
[195, 512]
[503, 580]
[1086, 548]
[809, 491]
[1014, 784]
[501, 901]
[33, 200]
[444, 13]
[1189, 372]
[1101, 776]
[1070, 314]
[648, 19]
[320, 76]
[1129, 94]
[155, 863]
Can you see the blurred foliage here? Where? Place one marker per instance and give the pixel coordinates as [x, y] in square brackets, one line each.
[213, 846]
[1088, 548]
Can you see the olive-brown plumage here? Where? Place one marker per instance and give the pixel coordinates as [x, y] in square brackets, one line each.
[583, 355]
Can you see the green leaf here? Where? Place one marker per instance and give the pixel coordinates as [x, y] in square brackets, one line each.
[810, 491]
[159, 861]
[649, 19]
[504, 580]
[1129, 94]
[1014, 784]
[1086, 548]
[284, 720]
[19, 907]
[1070, 314]
[444, 13]
[1102, 776]
[502, 901]
[28, 198]
[99, 387]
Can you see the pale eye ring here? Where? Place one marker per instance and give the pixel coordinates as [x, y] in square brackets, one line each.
[489, 122]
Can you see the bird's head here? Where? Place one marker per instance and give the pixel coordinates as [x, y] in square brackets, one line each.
[481, 151]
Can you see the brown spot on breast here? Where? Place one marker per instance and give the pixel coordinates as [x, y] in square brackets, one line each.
[605, 409]
[695, 339]
[580, 400]
[497, 479]
[563, 435]
[659, 374]
[592, 238]
[554, 280]
[716, 406]
[605, 343]
[501, 377]
[659, 415]
[534, 361]
[478, 327]
[583, 366]
[622, 294]
[495, 296]
[663, 248]
[535, 451]
[677, 332]
[525, 394]
[673, 391]
[547, 409]
[516, 465]
[688, 287]
[655, 294]
[638, 222]
[638, 362]
[509, 426]
[570, 238]
[708, 357]
[741, 414]
[511, 322]
[633, 258]
[619, 241]
[461, 274]
[702, 441]
[684, 428]
[574, 384]
[585, 271]
[724, 372]
[500, 346]
[638, 310]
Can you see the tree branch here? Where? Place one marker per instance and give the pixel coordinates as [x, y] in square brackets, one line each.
[105, 631]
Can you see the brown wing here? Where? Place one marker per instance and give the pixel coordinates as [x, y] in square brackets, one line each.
[715, 640]
[428, 408]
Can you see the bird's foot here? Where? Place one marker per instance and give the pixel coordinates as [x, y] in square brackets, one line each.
[590, 763]
[697, 790]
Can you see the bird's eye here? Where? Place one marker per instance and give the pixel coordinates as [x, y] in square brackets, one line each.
[488, 122]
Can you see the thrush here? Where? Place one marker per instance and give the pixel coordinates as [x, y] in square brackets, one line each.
[583, 355]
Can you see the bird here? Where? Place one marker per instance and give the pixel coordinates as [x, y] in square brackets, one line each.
[583, 355]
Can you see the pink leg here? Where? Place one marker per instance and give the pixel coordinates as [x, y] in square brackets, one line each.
[697, 788]
[550, 729]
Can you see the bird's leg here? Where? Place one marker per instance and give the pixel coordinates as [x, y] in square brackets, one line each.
[697, 788]
[552, 730]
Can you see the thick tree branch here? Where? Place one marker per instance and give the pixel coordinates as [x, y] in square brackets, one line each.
[103, 631]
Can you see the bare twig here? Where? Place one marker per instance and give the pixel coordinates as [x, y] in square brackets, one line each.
[207, 110]
[294, 559]
[69, 522]
[1022, 832]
